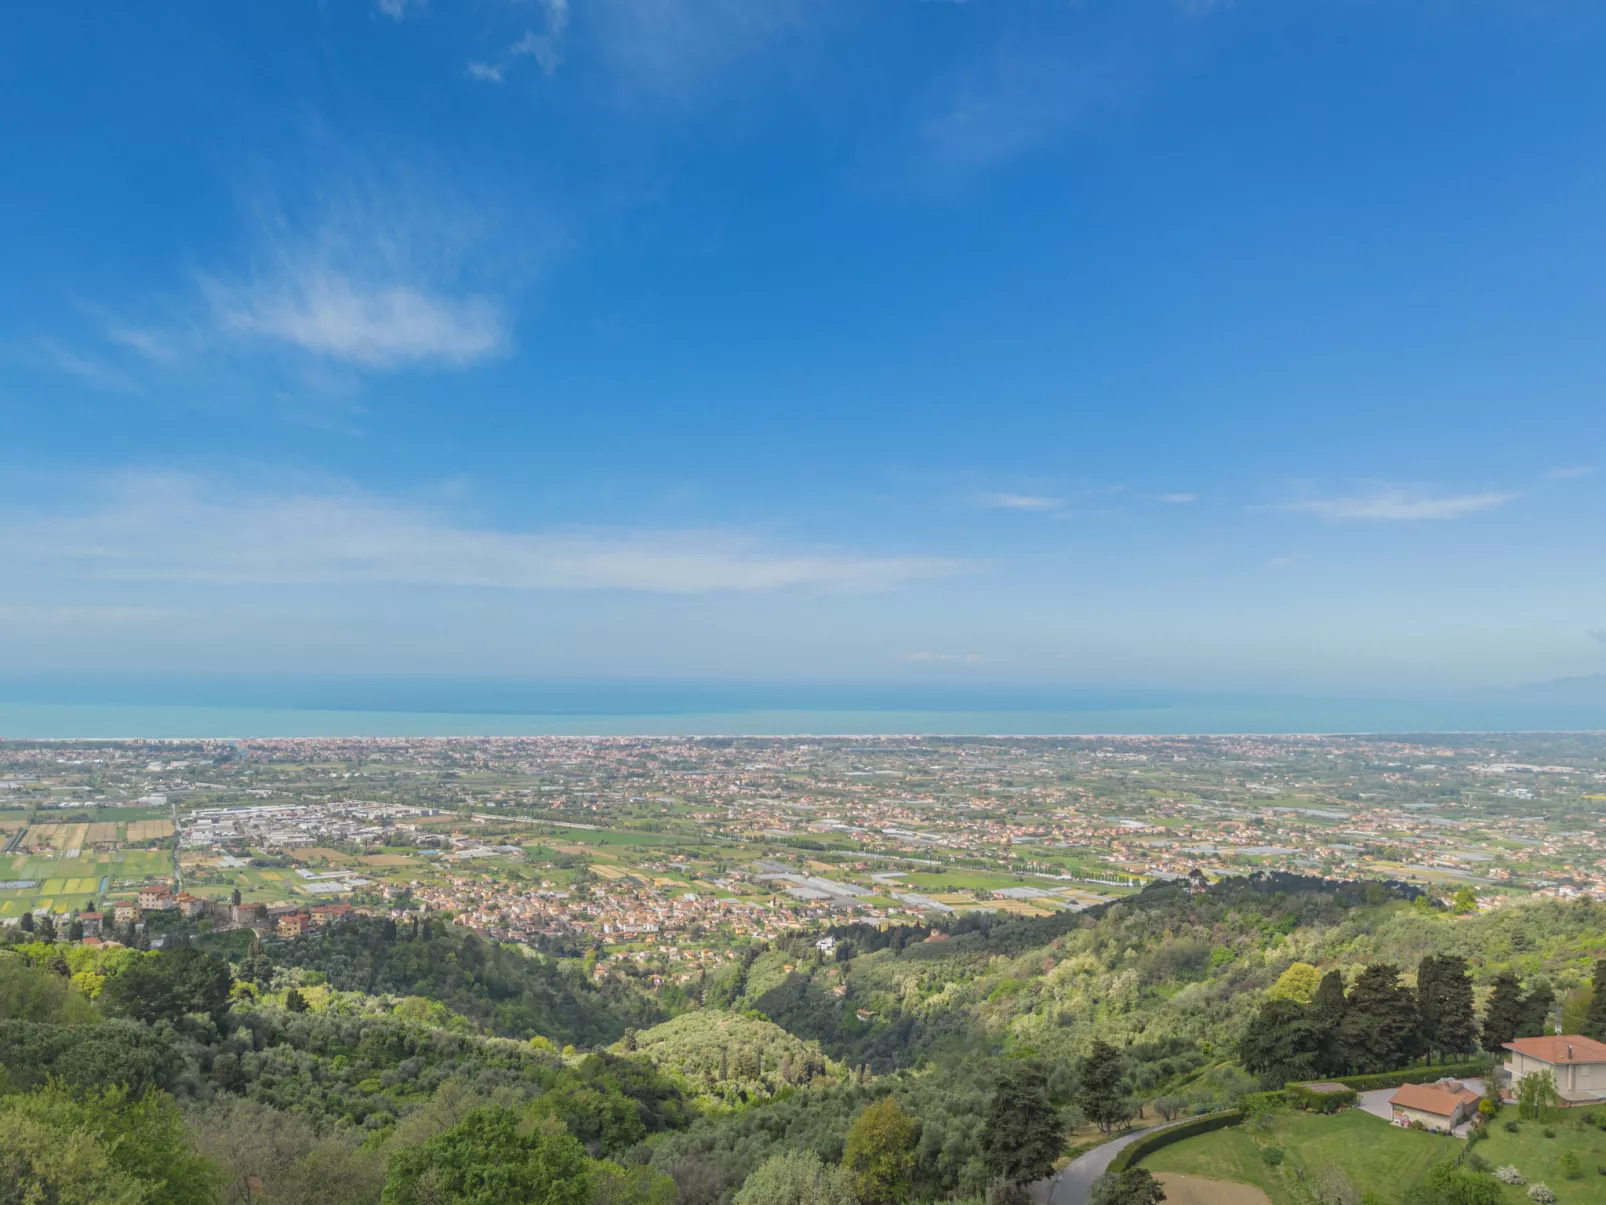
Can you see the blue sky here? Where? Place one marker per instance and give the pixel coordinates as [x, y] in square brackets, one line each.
[1219, 345]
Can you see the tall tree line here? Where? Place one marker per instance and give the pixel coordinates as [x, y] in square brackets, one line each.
[1378, 1023]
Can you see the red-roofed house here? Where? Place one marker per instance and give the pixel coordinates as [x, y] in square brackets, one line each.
[1577, 1063]
[1440, 1106]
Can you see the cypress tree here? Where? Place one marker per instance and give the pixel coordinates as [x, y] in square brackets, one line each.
[1327, 1016]
[1502, 1016]
[1536, 1008]
[1427, 1002]
[1595, 1021]
[1457, 1028]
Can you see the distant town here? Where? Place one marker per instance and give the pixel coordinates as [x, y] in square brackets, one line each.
[667, 853]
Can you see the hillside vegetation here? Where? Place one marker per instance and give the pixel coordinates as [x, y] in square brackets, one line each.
[912, 1064]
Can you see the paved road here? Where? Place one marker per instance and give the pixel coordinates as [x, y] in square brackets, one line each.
[1074, 1182]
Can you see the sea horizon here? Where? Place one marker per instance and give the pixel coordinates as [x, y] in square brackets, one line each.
[314, 711]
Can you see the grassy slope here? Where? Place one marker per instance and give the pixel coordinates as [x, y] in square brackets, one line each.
[1539, 1158]
[1380, 1158]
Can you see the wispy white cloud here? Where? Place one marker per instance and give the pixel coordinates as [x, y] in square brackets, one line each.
[1393, 504]
[370, 322]
[400, 10]
[965, 658]
[91, 369]
[671, 50]
[547, 48]
[373, 276]
[175, 529]
[1567, 472]
[486, 73]
[1020, 502]
[1598, 635]
[1177, 498]
[153, 345]
[1020, 101]
[39, 616]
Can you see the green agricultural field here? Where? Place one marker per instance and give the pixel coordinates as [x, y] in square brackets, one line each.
[962, 880]
[1539, 1158]
[1378, 1158]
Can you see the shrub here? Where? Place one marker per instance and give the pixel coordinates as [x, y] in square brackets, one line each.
[1512, 1127]
[1550, 1131]
[1571, 1166]
[1539, 1192]
[1302, 1096]
[1271, 1155]
[1509, 1175]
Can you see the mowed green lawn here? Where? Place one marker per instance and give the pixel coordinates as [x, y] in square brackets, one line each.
[1539, 1158]
[1379, 1158]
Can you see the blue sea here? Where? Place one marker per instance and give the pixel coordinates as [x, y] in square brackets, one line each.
[176, 708]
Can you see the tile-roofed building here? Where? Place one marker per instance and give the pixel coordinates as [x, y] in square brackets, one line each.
[1440, 1106]
[1577, 1063]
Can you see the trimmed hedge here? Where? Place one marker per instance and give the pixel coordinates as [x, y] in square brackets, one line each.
[1166, 1135]
[1479, 1068]
[1302, 1096]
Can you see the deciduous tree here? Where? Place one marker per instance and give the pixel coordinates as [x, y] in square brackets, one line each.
[879, 1156]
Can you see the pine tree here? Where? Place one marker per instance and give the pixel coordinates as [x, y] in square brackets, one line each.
[1281, 1044]
[1457, 1028]
[1502, 1016]
[1381, 1029]
[1021, 1132]
[1101, 1094]
[1595, 1021]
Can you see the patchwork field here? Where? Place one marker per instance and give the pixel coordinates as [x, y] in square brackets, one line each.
[149, 830]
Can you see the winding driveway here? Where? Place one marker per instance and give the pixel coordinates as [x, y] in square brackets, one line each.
[1073, 1184]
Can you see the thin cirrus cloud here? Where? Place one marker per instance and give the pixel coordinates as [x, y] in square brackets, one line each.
[1397, 505]
[384, 279]
[368, 323]
[1020, 502]
[1017, 103]
[167, 529]
[944, 658]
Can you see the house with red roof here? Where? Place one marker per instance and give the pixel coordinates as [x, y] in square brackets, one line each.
[1576, 1063]
[1441, 1106]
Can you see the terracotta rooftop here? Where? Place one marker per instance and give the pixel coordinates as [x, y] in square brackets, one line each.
[1430, 1098]
[1559, 1049]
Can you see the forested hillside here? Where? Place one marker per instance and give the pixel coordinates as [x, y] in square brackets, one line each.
[381, 1056]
